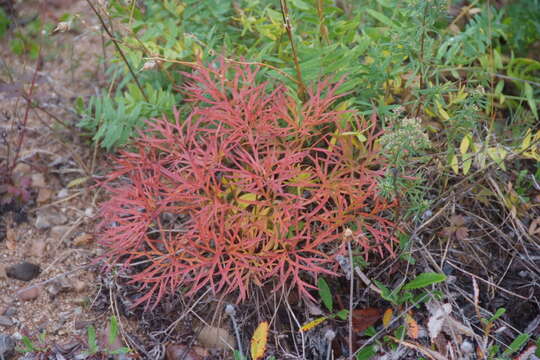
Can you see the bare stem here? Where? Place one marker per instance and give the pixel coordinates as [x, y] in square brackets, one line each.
[117, 46]
[287, 21]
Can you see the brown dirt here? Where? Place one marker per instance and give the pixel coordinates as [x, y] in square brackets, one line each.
[52, 155]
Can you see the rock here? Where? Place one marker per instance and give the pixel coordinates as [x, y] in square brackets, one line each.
[180, 352]
[38, 247]
[212, 337]
[29, 293]
[24, 271]
[62, 193]
[50, 217]
[7, 347]
[10, 311]
[38, 180]
[44, 195]
[58, 232]
[83, 239]
[79, 285]
[89, 212]
[5, 321]
[54, 289]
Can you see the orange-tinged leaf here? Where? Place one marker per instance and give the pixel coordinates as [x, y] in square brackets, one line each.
[412, 327]
[310, 325]
[258, 341]
[387, 317]
[364, 318]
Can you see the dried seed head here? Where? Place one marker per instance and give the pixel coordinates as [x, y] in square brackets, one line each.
[62, 27]
[347, 233]
[149, 65]
[229, 310]
[329, 335]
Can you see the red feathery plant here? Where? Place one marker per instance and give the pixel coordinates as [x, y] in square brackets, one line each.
[248, 188]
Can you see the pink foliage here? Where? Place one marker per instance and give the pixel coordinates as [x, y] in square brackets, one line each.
[265, 190]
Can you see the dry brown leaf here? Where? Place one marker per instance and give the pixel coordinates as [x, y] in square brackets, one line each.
[457, 220]
[212, 337]
[180, 352]
[413, 330]
[431, 354]
[441, 344]
[364, 318]
[534, 228]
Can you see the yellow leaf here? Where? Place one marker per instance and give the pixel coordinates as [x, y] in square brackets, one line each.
[310, 325]
[258, 341]
[497, 154]
[444, 115]
[464, 146]
[246, 199]
[526, 141]
[77, 181]
[454, 164]
[462, 95]
[387, 317]
[429, 112]
[467, 164]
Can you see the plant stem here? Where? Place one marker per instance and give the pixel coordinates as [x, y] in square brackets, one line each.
[351, 293]
[287, 21]
[28, 97]
[117, 46]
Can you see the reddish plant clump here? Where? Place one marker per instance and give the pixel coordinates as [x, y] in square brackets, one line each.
[248, 188]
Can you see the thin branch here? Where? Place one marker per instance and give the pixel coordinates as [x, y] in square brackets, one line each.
[287, 22]
[117, 46]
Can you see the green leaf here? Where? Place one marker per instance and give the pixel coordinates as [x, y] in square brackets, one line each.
[92, 342]
[423, 280]
[28, 345]
[113, 331]
[530, 99]
[500, 312]
[382, 18]
[299, 4]
[122, 350]
[343, 314]
[386, 294]
[517, 344]
[366, 353]
[4, 22]
[325, 294]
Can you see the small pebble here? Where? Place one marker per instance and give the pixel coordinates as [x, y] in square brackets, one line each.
[5, 321]
[29, 293]
[38, 180]
[37, 248]
[57, 232]
[24, 271]
[62, 193]
[467, 347]
[51, 217]
[7, 346]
